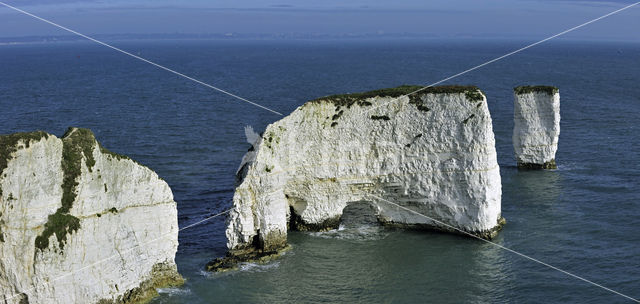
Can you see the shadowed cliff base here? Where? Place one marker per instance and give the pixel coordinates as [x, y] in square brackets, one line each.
[486, 234]
[351, 218]
[546, 166]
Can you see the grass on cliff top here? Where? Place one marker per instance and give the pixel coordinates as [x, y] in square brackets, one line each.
[472, 93]
[117, 156]
[535, 89]
[9, 145]
[76, 144]
[113, 154]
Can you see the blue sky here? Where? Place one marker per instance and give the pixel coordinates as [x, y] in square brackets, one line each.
[528, 19]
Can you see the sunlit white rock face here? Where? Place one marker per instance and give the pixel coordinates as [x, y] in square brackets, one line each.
[536, 126]
[79, 224]
[433, 153]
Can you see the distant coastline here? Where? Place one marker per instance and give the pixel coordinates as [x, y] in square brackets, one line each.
[39, 39]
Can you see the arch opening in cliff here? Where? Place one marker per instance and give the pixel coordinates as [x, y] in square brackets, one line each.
[354, 215]
[316, 187]
[360, 214]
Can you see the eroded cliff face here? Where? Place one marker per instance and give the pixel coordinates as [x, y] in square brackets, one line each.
[79, 224]
[536, 126]
[433, 153]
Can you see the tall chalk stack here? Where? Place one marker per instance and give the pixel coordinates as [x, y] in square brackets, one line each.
[536, 126]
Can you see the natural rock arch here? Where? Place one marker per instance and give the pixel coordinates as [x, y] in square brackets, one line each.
[431, 153]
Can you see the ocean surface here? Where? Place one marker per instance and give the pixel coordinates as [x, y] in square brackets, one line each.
[583, 218]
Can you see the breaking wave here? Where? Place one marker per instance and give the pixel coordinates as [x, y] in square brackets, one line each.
[362, 233]
[174, 291]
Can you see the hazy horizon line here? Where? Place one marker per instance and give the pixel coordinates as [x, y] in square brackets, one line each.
[288, 36]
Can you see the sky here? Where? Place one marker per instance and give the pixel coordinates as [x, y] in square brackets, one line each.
[526, 19]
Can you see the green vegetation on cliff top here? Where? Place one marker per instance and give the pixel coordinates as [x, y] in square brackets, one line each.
[472, 93]
[76, 144]
[115, 155]
[9, 145]
[535, 89]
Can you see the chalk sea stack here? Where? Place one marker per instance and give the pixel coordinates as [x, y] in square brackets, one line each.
[536, 126]
[80, 224]
[432, 152]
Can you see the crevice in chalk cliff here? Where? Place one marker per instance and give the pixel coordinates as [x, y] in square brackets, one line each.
[24, 299]
[1, 224]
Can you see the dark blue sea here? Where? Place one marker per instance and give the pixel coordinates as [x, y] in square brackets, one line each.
[583, 218]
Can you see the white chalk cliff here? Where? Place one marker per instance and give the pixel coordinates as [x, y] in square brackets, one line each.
[433, 152]
[536, 126]
[79, 224]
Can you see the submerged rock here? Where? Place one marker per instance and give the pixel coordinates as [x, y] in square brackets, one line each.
[432, 152]
[536, 126]
[80, 224]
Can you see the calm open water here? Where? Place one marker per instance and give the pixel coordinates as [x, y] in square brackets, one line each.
[583, 217]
